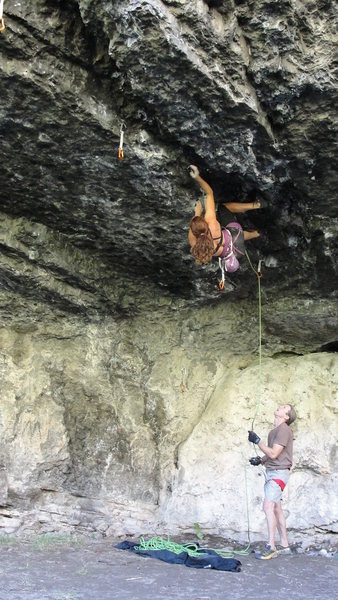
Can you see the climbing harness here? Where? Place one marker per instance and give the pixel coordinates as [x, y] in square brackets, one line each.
[122, 130]
[2, 20]
[223, 266]
[229, 263]
[280, 483]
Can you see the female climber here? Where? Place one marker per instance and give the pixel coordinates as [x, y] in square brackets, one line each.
[208, 238]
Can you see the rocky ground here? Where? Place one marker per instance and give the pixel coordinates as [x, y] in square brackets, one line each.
[47, 568]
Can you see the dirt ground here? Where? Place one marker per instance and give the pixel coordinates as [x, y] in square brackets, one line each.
[58, 568]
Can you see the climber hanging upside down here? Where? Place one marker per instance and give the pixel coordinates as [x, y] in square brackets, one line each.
[208, 238]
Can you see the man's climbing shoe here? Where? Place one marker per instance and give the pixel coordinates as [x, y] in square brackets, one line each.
[267, 553]
[283, 551]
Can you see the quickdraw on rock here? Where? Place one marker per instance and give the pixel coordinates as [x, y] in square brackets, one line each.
[183, 386]
[222, 281]
[122, 130]
[2, 20]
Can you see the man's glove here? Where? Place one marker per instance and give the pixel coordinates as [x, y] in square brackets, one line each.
[193, 171]
[253, 437]
[255, 461]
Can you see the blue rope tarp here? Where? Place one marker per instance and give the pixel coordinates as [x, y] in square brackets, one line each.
[181, 554]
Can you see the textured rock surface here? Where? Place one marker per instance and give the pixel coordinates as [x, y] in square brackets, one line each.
[244, 90]
[103, 314]
[96, 432]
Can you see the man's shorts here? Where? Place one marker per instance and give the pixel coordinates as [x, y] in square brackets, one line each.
[272, 489]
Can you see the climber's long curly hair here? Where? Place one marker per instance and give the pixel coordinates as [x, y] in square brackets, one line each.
[203, 250]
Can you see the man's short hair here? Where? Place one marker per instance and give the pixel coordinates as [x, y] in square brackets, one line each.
[292, 415]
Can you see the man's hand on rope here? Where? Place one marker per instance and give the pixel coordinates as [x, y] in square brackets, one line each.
[253, 437]
[255, 461]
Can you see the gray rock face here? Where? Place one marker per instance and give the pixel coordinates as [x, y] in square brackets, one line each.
[105, 318]
[245, 91]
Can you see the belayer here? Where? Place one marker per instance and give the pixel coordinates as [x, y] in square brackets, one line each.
[208, 238]
[277, 460]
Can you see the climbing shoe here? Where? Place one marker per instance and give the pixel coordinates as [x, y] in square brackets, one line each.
[283, 551]
[267, 553]
[260, 203]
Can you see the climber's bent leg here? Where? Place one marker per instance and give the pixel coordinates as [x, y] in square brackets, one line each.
[241, 207]
[250, 235]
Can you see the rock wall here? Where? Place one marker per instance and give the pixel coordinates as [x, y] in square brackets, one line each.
[245, 90]
[140, 425]
[128, 382]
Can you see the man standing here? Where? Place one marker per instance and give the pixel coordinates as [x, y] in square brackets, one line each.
[277, 460]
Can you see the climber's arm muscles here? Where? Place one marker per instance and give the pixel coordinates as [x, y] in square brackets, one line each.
[198, 209]
[198, 212]
[210, 208]
[273, 452]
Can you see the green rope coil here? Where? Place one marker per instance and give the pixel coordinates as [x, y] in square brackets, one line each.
[159, 543]
[192, 549]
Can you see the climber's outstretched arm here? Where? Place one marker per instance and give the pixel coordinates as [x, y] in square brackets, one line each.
[198, 209]
[210, 209]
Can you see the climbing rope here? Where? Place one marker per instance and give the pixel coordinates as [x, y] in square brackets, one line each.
[2, 20]
[258, 273]
[193, 549]
[159, 543]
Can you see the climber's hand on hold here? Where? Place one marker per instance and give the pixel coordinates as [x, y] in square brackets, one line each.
[253, 437]
[193, 171]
